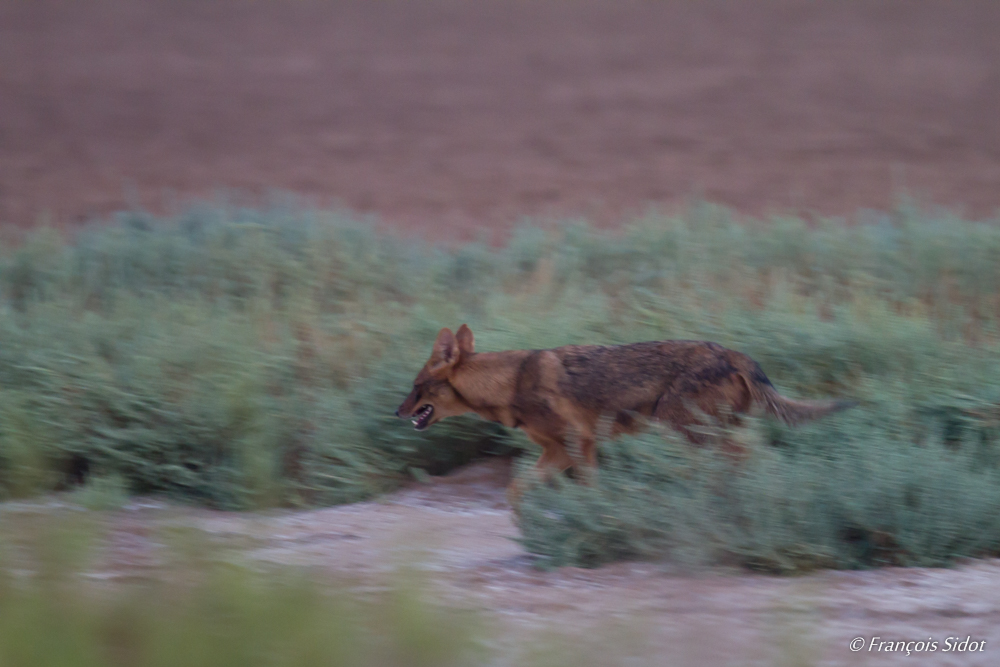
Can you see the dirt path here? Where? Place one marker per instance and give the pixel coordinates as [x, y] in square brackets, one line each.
[460, 531]
[455, 115]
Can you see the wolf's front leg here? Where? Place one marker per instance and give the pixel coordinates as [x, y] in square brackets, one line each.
[554, 460]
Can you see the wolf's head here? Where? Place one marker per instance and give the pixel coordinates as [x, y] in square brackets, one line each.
[433, 397]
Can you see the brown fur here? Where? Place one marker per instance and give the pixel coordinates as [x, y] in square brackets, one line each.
[559, 396]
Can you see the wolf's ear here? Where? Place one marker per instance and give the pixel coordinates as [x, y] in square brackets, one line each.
[444, 356]
[466, 341]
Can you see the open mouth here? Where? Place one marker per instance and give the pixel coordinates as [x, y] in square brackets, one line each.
[422, 417]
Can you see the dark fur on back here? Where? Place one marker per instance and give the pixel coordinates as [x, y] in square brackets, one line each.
[625, 377]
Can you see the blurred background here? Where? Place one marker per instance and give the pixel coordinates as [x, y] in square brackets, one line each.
[230, 231]
[457, 115]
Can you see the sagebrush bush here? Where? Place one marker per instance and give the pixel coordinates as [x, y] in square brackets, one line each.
[855, 491]
[248, 357]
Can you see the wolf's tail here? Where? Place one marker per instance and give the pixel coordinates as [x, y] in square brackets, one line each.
[788, 410]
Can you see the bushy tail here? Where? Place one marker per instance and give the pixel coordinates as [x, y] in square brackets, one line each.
[788, 410]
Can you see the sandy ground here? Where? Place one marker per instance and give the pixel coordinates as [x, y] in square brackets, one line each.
[459, 531]
[459, 115]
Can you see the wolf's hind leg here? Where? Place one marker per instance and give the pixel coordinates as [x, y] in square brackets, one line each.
[673, 411]
[726, 409]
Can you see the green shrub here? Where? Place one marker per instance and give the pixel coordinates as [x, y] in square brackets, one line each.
[250, 357]
[864, 488]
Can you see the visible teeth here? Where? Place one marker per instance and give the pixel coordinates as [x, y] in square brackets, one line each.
[421, 415]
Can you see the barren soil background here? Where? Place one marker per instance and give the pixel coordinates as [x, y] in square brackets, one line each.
[463, 115]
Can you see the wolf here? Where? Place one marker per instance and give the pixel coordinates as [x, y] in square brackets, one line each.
[559, 396]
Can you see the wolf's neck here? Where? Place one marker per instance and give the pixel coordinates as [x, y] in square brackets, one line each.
[488, 380]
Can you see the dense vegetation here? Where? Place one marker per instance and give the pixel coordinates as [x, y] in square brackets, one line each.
[241, 358]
